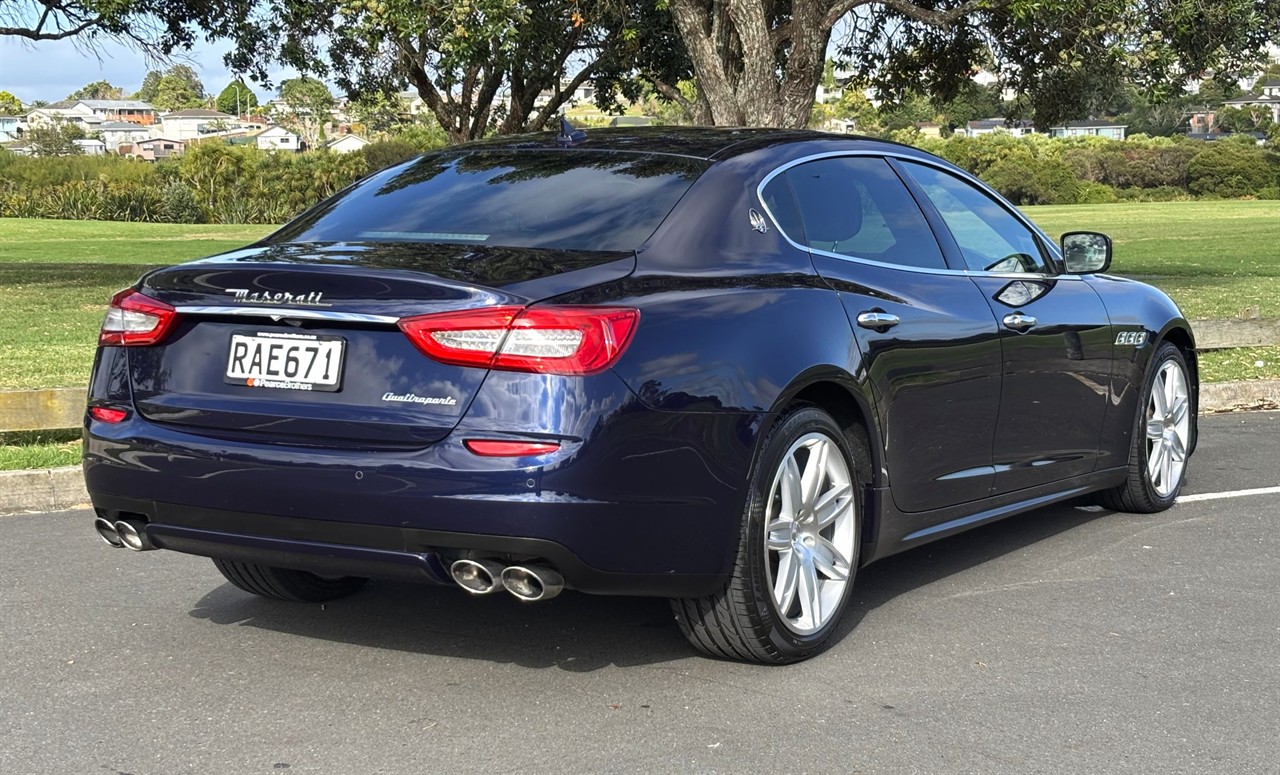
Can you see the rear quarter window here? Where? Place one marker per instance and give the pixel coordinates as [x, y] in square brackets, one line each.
[569, 199]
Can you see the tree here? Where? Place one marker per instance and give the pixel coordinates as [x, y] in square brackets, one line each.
[179, 88]
[9, 104]
[150, 85]
[237, 98]
[759, 62]
[157, 27]
[308, 106]
[98, 90]
[461, 58]
[55, 138]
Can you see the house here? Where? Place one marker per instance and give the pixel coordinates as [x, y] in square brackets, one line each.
[988, 125]
[91, 147]
[347, 144]
[929, 129]
[117, 133]
[1266, 95]
[1258, 137]
[194, 123]
[133, 111]
[154, 149]
[1108, 129]
[19, 149]
[65, 112]
[277, 138]
[10, 128]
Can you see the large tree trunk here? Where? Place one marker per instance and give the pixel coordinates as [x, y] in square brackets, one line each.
[755, 67]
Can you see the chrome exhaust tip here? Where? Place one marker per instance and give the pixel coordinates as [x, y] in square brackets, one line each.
[479, 577]
[108, 532]
[133, 535]
[532, 583]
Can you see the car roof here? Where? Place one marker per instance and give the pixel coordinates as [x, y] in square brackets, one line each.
[709, 143]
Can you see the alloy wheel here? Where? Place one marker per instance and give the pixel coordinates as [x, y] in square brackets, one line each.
[810, 533]
[1168, 428]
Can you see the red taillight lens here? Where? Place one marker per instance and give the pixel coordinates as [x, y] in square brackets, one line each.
[494, 448]
[107, 414]
[547, 340]
[135, 319]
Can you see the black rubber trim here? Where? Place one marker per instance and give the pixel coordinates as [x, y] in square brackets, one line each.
[228, 534]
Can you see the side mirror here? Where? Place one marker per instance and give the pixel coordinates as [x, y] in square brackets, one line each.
[1086, 252]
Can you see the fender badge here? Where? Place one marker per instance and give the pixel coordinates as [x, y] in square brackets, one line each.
[757, 221]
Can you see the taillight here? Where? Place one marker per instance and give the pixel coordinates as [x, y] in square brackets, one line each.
[135, 319]
[547, 340]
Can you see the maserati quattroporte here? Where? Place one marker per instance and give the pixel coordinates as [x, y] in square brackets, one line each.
[725, 367]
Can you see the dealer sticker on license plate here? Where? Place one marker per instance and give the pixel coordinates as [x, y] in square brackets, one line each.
[285, 361]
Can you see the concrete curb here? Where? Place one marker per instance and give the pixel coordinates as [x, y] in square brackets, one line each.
[51, 489]
[56, 489]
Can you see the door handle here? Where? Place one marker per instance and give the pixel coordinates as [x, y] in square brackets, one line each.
[1019, 322]
[877, 320]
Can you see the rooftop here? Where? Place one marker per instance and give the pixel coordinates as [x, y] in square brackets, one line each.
[197, 113]
[121, 126]
[1091, 124]
[116, 104]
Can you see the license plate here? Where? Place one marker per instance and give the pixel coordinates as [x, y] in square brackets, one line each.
[285, 361]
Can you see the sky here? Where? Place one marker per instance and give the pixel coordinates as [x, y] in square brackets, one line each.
[50, 70]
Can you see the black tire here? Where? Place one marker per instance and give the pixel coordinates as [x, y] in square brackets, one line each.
[296, 586]
[1138, 494]
[741, 621]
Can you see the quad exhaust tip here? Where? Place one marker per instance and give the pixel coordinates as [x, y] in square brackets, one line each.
[479, 577]
[132, 534]
[107, 530]
[532, 583]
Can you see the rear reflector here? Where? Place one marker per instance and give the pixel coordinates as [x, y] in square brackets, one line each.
[134, 319]
[107, 414]
[487, 448]
[546, 340]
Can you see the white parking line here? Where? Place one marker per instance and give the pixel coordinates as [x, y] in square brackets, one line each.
[1213, 496]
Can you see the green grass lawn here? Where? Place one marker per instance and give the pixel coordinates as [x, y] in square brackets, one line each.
[1214, 258]
[56, 278]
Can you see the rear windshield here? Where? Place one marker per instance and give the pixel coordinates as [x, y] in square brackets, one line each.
[562, 198]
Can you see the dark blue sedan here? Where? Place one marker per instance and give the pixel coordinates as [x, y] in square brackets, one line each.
[726, 367]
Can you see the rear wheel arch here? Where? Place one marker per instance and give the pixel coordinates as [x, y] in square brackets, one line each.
[1179, 334]
[836, 393]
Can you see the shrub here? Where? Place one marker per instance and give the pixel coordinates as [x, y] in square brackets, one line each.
[1095, 194]
[1227, 169]
[1027, 180]
[386, 153]
[180, 205]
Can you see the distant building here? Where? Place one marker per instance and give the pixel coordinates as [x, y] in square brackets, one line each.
[1266, 95]
[154, 149]
[66, 112]
[631, 121]
[91, 147]
[194, 123]
[10, 128]
[928, 128]
[1108, 129]
[986, 126]
[277, 138]
[118, 133]
[347, 144]
[133, 111]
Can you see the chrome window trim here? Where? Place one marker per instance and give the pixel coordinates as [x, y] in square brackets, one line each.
[950, 169]
[280, 313]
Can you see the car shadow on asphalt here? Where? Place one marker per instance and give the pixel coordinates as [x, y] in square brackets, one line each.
[583, 633]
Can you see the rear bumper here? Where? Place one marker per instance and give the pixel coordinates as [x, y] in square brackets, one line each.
[649, 504]
[375, 551]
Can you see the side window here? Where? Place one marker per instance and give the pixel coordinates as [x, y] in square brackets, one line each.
[856, 206]
[778, 199]
[990, 238]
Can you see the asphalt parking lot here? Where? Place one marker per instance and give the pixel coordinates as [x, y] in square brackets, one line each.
[1064, 641]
